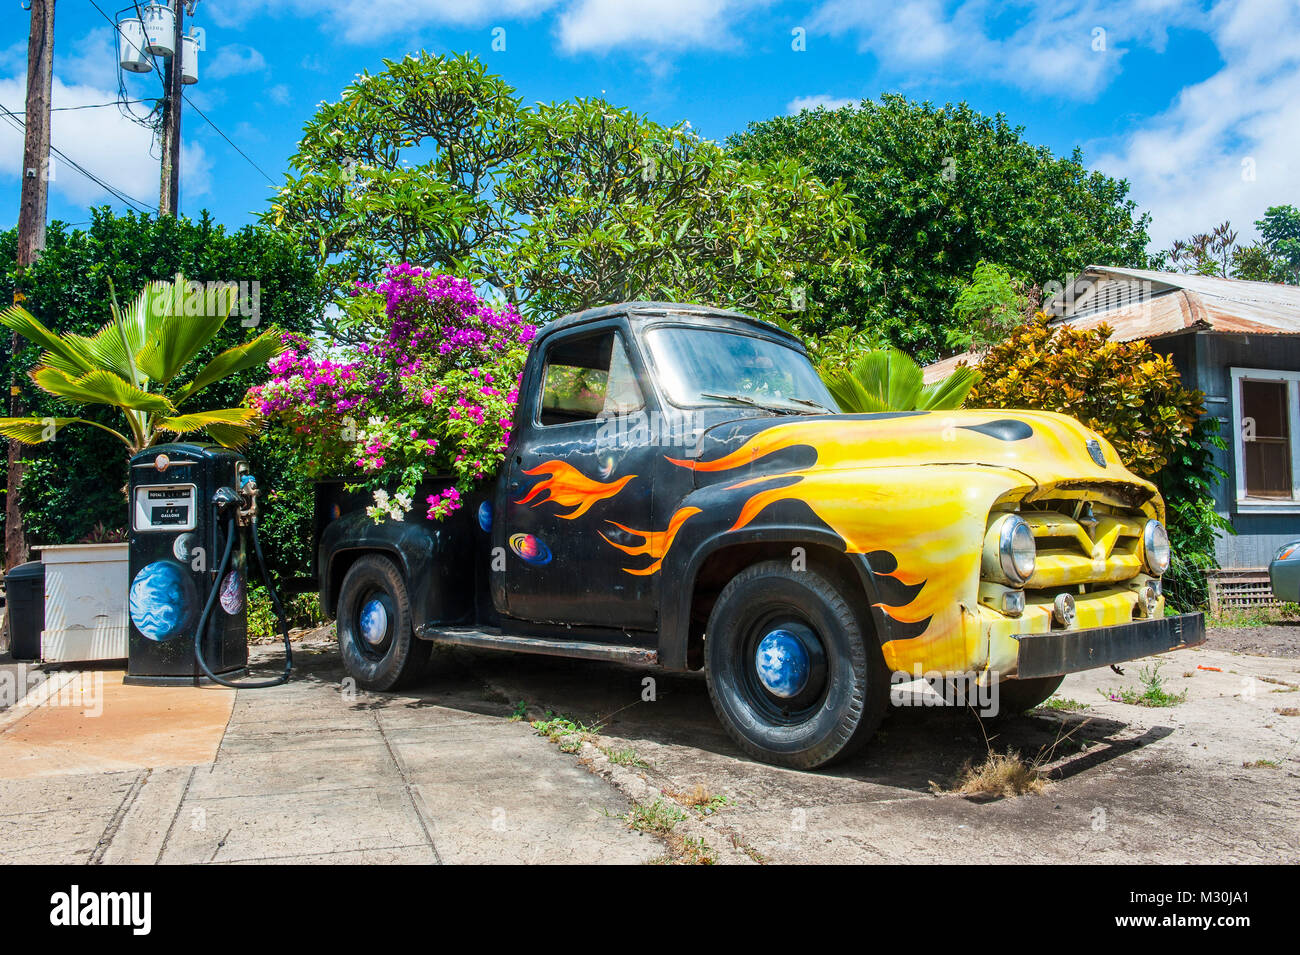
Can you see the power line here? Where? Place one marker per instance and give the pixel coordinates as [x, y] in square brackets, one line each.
[228, 139]
[58, 109]
[112, 190]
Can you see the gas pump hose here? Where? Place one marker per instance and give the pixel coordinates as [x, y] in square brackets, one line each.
[232, 528]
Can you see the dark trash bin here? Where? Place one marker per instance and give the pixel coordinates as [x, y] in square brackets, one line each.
[25, 605]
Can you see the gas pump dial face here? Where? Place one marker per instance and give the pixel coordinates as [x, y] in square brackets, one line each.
[165, 508]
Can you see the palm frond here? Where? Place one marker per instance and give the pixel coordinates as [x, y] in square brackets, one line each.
[39, 430]
[60, 352]
[233, 360]
[949, 393]
[190, 320]
[881, 380]
[101, 387]
[229, 427]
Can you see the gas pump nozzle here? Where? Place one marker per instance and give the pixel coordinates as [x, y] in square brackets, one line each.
[244, 502]
[248, 499]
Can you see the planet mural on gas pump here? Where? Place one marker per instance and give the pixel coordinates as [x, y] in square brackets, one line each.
[485, 517]
[162, 600]
[232, 592]
[184, 545]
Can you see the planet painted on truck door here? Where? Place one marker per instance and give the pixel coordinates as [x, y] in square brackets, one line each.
[532, 550]
[163, 600]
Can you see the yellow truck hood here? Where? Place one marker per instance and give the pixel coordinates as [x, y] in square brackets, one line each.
[1053, 450]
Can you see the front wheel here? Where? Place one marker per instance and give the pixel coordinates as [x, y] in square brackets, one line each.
[795, 677]
[379, 648]
[1017, 696]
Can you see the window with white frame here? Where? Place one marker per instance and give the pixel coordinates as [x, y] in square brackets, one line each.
[1266, 416]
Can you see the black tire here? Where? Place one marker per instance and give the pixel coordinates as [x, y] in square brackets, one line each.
[398, 658]
[1017, 696]
[846, 690]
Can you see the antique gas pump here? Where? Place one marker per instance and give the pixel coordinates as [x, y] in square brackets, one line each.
[192, 508]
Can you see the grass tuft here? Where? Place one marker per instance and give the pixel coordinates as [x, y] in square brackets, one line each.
[659, 816]
[998, 776]
[1153, 691]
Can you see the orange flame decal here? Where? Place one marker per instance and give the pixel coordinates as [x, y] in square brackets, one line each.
[568, 487]
[656, 542]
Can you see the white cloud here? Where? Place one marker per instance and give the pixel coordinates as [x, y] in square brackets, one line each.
[102, 140]
[361, 21]
[642, 25]
[582, 25]
[279, 93]
[821, 101]
[235, 59]
[1188, 164]
[1070, 48]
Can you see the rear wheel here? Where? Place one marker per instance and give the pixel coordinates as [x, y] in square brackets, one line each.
[795, 677]
[379, 648]
[1017, 696]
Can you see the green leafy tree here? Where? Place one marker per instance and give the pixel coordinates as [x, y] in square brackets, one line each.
[888, 380]
[990, 307]
[1280, 232]
[134, 363]
[433, 161]
[404, 167]
[1255, 263]
[940, 188]
[615, 207]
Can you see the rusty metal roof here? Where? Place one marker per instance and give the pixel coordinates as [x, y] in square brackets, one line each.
[1172, 304]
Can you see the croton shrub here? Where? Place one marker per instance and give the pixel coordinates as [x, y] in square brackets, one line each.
[430, 392]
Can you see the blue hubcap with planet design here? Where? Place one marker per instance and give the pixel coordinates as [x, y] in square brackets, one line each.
[783, 664]
[373, 622]
[789, 672]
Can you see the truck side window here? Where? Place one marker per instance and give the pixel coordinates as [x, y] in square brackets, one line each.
[587, 377]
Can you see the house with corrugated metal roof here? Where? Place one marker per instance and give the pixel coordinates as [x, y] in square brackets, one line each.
[1237, 341]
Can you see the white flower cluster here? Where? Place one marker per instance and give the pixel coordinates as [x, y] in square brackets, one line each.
[395, 507]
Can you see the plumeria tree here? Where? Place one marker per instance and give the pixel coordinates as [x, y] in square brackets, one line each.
[430, 391]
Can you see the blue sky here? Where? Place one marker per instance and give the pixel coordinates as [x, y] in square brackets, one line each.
[1198, 104]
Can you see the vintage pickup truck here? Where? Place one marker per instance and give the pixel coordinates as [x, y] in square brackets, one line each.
[680, 492]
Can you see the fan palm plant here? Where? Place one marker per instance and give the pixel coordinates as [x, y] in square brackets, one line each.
[134, 362]
[885, 379]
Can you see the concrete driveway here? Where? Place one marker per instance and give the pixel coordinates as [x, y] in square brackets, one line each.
[315, 772]
[307, 772]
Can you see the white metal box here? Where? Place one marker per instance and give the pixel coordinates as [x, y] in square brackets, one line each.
[85, 602]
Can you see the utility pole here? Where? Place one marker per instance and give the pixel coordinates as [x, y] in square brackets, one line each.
[169, 191]
[31, 236]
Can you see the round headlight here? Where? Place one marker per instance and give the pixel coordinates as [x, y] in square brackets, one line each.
[1155, 547]
[1017, 551]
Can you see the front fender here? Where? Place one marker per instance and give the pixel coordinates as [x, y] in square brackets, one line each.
[913, 534]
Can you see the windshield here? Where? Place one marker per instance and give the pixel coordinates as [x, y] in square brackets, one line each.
[706, 366]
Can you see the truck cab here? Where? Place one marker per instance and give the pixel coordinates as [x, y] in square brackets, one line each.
[679, 491]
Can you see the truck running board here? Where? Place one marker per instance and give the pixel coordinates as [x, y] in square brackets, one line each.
[579, 649]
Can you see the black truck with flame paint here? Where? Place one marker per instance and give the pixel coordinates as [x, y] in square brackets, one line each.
[680, 492]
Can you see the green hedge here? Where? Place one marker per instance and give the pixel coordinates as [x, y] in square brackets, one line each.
[78, 480]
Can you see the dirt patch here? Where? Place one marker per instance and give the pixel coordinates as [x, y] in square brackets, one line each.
[1273, 639]
[1127, 782]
